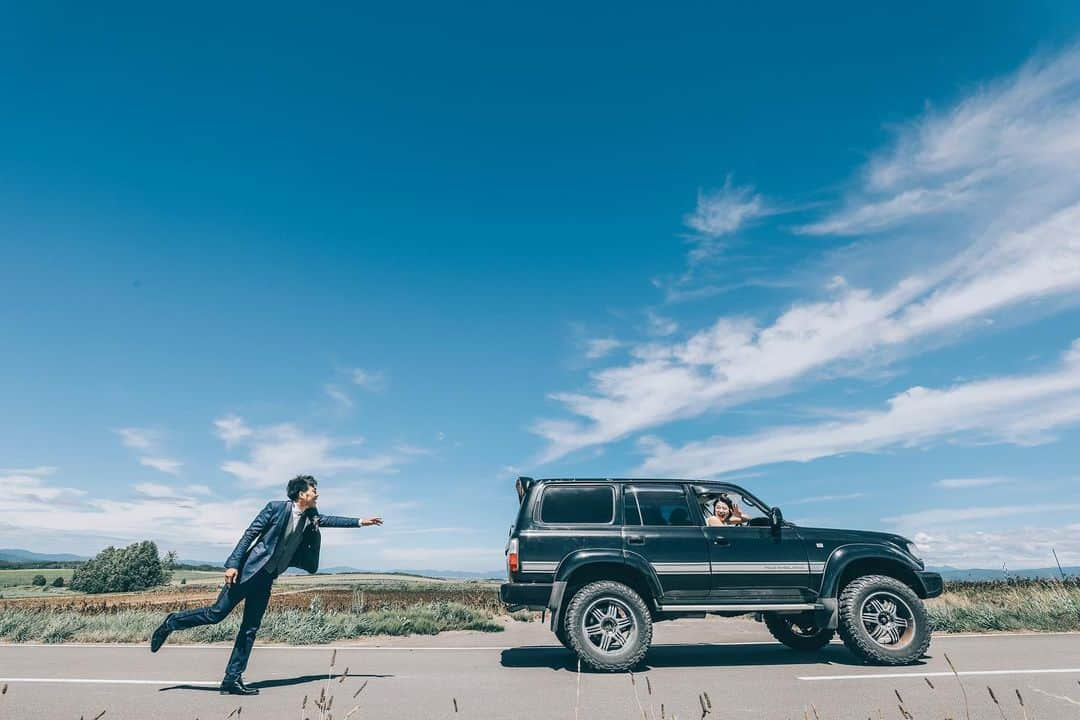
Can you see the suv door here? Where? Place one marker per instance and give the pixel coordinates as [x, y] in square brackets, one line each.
[658, 526]
[753, 564]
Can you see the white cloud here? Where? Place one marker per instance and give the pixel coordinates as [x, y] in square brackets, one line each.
[1022, 547]
[1021, 409]
[368, 379]
[155, 490]
[601, 347]
[25, 485]
[827, 498]
[38, 471]
[952, 516]
[138, 438]
[337, 395]
[148, 444]
[736, 359]
[279, 452]
[1015, 140]
[232, 429]
[724, 211]
[660, 326]
[970, 482]
[199, 490]
[165, 465]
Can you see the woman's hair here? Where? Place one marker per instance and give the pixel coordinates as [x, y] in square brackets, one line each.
[723, 498]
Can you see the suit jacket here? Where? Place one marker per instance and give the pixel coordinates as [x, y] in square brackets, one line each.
[257, 544]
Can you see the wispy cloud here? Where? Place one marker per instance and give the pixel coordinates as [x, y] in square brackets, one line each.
[601, 347]
[724, 211]
[338, 396]
[1018, 138]
[147, 443]
[828, 498]
[165, 465]
[368, 379]
[1016, 247]
[232, 429]
[278, 452]
[1025, 546]
[1022, 409]
[964, 483]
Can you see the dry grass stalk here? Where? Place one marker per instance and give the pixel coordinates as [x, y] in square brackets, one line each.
[99, 715]
[1020, 699]
[234, 712]
[704, 708]
[967, 706]
[344, 675]
[814, 710]
[360, 690]
[930, 683]
[577, 699]
[455, 704]
[994, 698]
[636, 698]
[3, 690]
[333, 658]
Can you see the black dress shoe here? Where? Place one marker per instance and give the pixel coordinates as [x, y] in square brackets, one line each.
[236, 686]
[161, 634]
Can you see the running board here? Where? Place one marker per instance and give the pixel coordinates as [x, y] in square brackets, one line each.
[739, 608]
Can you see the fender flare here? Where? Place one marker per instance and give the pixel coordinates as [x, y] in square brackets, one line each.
[582, 558]
[841, 557]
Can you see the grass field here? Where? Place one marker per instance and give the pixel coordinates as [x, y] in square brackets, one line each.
[23, 577]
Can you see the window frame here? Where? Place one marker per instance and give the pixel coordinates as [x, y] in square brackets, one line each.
[693, 512]
[538, 513]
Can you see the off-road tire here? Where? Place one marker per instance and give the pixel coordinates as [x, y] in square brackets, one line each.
[560, 635]
[858, 638]
[780, 627]
[591, 656]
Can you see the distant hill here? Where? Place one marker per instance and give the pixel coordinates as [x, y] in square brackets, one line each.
[984, 574]
[446, 574]
[25, 556]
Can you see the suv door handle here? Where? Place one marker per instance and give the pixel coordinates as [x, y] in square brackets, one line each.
[636, 539]
[721, 541]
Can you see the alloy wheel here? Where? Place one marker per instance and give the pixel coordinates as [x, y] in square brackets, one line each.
[888, 620]
[608, 624]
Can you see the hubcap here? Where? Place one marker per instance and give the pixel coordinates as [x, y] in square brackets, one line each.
[888, 620]
[608, 625]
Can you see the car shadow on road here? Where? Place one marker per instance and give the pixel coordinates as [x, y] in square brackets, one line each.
[702, 655]
[278, 682]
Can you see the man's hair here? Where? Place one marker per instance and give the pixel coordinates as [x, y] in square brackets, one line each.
[299, 484]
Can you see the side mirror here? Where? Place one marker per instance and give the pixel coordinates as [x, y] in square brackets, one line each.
[776, 519]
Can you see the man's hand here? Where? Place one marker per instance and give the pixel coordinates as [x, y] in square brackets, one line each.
[230, 576]
[371, 521]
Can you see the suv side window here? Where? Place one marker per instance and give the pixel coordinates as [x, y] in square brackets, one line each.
[656, 505]
[578, 505]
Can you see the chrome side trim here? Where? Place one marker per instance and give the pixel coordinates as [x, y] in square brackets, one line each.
[739, 608]
[671, 568]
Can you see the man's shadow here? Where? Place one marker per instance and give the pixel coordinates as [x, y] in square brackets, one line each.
[557, 657]
[278, 682]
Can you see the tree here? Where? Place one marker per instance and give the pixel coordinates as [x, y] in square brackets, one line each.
[38, 580]
[59, 581]
[136, 567]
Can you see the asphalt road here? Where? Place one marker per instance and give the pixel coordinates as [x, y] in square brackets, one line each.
[522, 674]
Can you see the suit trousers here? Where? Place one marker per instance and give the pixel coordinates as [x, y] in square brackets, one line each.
[255, 592]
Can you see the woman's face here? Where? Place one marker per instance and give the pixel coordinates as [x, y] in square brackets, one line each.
[721, 510]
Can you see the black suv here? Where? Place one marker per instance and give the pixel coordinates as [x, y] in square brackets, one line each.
[607, 558]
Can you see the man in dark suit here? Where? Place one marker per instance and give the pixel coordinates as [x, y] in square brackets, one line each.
[283, 535]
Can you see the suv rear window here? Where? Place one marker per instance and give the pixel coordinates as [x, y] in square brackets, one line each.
[656, 505]
[566, 504]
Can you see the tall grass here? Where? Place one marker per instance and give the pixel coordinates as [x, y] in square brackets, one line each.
[1018, 604]
[297, 627]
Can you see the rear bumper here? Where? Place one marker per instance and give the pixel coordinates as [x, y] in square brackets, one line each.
[931, 582]
[525, 595]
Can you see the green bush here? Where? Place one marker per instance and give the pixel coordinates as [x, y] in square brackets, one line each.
[58, 582]
[39, 580]
[136, 567]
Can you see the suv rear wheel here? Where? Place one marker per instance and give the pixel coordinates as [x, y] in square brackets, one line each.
[883, 621]
[608, 626]
[798, 631]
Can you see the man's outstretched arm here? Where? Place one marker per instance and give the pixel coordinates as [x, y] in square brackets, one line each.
[347, 522]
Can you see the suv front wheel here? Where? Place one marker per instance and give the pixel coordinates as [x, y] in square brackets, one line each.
[883, 621]
[608, 625]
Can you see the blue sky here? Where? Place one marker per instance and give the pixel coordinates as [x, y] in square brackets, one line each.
[418, 251]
